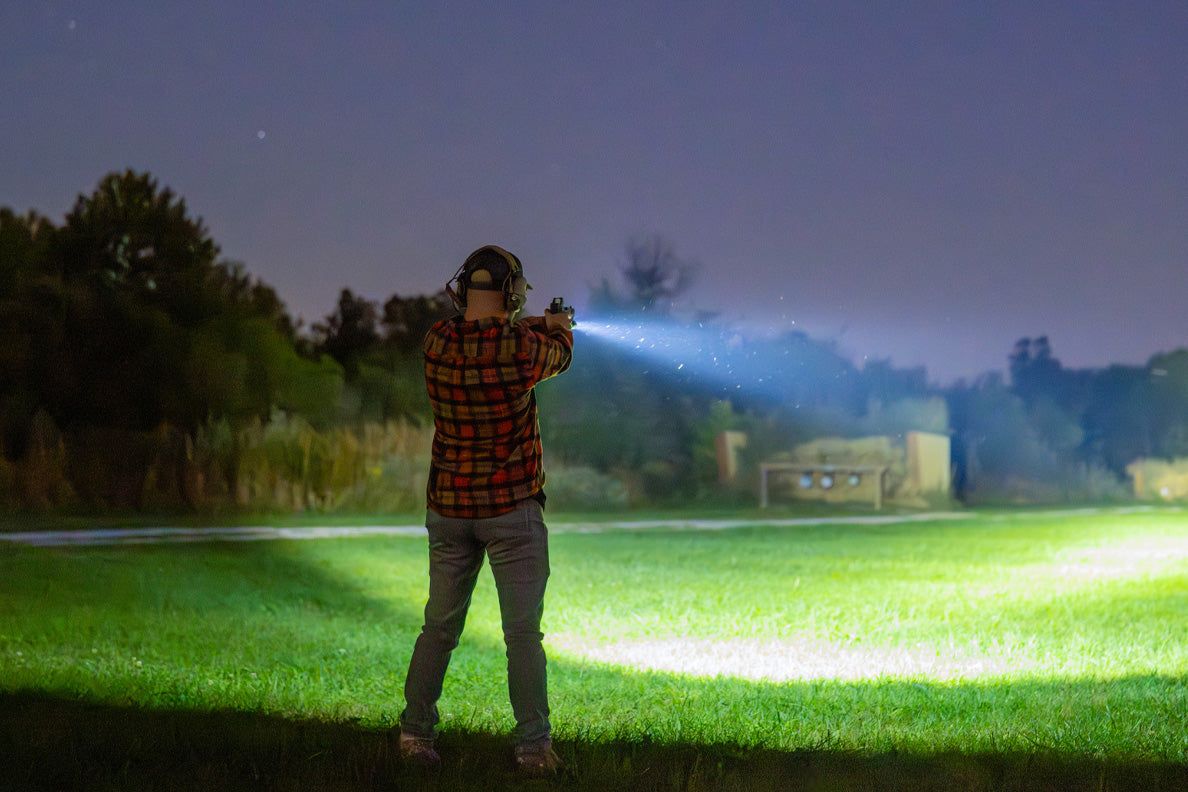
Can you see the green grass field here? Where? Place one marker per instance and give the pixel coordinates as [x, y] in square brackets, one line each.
[999, 647]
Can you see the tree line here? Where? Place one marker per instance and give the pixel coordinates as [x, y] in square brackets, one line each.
[142, 371]
[1054, 433]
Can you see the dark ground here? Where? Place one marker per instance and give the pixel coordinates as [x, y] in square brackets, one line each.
[54, 744]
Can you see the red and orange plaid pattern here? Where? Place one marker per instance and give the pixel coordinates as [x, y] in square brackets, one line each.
[486, 443]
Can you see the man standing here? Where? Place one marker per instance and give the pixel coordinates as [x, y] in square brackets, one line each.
[485, 497]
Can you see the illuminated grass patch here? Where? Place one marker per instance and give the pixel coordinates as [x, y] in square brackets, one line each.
[1059, 633]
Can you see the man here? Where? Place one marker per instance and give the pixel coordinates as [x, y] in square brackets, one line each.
[485, 496]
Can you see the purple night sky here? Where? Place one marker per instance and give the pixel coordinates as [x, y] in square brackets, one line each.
[920, 181]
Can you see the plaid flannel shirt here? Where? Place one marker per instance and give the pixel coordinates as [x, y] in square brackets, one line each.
[486, 442]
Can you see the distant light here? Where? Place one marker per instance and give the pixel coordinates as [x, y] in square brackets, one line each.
[260, 134]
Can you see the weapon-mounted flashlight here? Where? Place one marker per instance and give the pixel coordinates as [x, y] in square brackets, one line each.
[558, 306]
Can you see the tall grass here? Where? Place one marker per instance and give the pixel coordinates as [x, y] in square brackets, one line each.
[1001, 633]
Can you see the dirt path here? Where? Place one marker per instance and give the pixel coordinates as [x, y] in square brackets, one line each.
[116, 536]
[166, 535]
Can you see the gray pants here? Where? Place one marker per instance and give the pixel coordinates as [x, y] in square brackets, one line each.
[517, 545]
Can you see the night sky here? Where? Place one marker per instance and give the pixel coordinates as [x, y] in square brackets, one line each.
[921, 181]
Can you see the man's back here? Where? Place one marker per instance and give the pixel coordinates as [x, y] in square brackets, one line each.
[486, 446]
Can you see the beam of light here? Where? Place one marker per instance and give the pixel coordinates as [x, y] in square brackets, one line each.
[722, 358]
[664, 342]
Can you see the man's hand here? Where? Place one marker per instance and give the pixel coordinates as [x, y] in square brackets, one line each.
[558, 321]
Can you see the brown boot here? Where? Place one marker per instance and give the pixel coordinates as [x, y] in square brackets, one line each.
[418, 752]
[538, 763]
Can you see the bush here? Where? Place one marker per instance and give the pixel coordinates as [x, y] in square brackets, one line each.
[584, 488]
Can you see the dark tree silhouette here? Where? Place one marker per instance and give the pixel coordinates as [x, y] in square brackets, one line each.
[654, 275]
[406, 320]
[350, 333]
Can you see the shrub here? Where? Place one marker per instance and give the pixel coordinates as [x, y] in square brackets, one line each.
[584, 488]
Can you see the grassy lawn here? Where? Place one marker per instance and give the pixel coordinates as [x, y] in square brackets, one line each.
[825, 651]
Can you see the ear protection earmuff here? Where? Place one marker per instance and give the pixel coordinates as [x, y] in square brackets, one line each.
[514, 286]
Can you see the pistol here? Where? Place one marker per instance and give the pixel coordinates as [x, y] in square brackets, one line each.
[558, 306]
